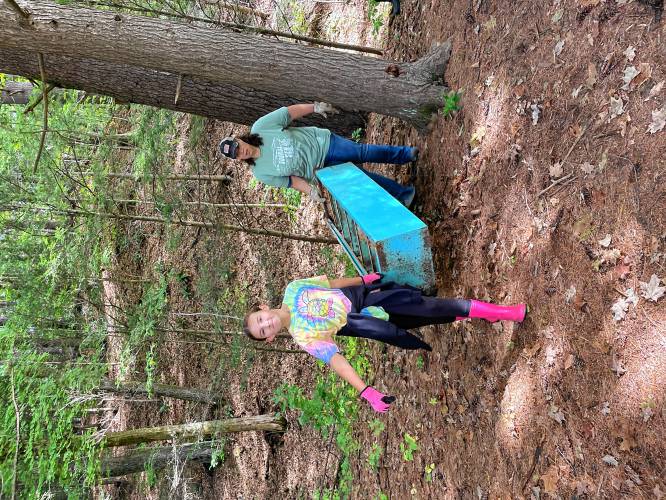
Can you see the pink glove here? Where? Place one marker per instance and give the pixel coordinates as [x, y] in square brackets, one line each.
[369, 279]
[379, 402]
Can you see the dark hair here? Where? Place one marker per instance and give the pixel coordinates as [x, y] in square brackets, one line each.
[246, 325]
[252, 140]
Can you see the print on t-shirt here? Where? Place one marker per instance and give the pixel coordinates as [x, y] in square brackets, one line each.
[283, 155]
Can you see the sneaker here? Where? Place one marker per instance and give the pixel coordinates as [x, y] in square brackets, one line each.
[408, 196]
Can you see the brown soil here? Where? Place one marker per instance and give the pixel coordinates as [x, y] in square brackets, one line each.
[499, 410]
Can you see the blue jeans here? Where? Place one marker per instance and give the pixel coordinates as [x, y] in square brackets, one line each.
[343, 150]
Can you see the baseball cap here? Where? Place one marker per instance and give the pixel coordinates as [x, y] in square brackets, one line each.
[229, 147]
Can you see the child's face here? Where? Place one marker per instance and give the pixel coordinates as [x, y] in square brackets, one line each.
[264, 324]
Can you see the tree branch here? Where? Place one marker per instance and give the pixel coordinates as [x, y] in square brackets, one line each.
[18, 433]
[45, 98]
[16, 8]
[32, 106]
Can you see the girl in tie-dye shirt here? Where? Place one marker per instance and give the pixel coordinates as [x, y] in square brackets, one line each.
[314, 310]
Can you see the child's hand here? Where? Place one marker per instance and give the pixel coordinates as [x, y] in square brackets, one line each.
[369, 279]
[379, 402]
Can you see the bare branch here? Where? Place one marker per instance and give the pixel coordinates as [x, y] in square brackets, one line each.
[18, 433]
[45, 98]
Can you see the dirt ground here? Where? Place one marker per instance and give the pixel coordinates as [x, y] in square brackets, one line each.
[546, 188]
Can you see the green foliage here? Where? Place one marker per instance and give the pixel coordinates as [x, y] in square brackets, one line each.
[142, 322]
[408, 447]
[357, 135]
[376, 426]
[332, 407]
[429, 469]
[450, 104]
[374, 455]
[420, 364]
[376, 18]
[153, 138]
[47, 259]
[197, 131]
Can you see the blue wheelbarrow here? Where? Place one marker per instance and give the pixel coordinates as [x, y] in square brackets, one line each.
[376, 231]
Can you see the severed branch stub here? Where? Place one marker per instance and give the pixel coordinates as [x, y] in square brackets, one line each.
[45, 98]
[17, 8]
[178, 87]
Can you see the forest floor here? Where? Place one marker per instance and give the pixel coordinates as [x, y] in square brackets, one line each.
[548, 187]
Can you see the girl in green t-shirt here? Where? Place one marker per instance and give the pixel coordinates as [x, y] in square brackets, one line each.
[284, 156]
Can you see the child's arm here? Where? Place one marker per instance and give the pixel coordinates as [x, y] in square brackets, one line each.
[368, 279]
[341, 366]
[379, 402]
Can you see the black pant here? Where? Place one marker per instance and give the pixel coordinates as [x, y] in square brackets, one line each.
[431, 311]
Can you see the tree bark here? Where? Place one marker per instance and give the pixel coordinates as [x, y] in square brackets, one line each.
[135, 461]
[129, 84]
[349, 81]
[194, 431]
[169, 391]
[15, 93]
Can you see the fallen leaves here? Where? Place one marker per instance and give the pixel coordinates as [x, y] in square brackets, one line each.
[605, 408]
[655, 90]
[606, 241]
[556, 170]
[621, 305]
[477, 137]
[616, 108]
[587, 168]
[556, 414]
[627, 440]
[570, 294]
[651, 290]
[536, 113]
[658, 120]
[550, 479]
[610, 460]
[630, 53]
[630, 72]
[617, 365]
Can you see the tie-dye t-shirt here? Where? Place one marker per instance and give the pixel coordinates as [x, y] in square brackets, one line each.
[317, 313]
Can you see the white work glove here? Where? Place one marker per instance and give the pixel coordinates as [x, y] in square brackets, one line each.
[321, 108]
[316, 195]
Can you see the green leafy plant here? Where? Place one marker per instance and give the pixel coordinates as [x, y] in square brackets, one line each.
[429, 469]
[408, 447]
[376, 18]
[357, 135]
[420, 363]
[374, 455]
[451, 104]
[376, 426]
[332, 407]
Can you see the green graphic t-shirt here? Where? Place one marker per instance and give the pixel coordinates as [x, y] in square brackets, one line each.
[288, 150]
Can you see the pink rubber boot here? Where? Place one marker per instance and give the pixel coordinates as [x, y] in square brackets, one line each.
[493, 312]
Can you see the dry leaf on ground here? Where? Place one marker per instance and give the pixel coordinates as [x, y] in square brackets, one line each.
[610, 460]
[550, 480]
[655, 90]
[556, 170]
[587, 168]
[605, 242]
[658, 120]
[630, 53]
[651, 290]
[630, 72]
[616, 108]
[556, 414]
